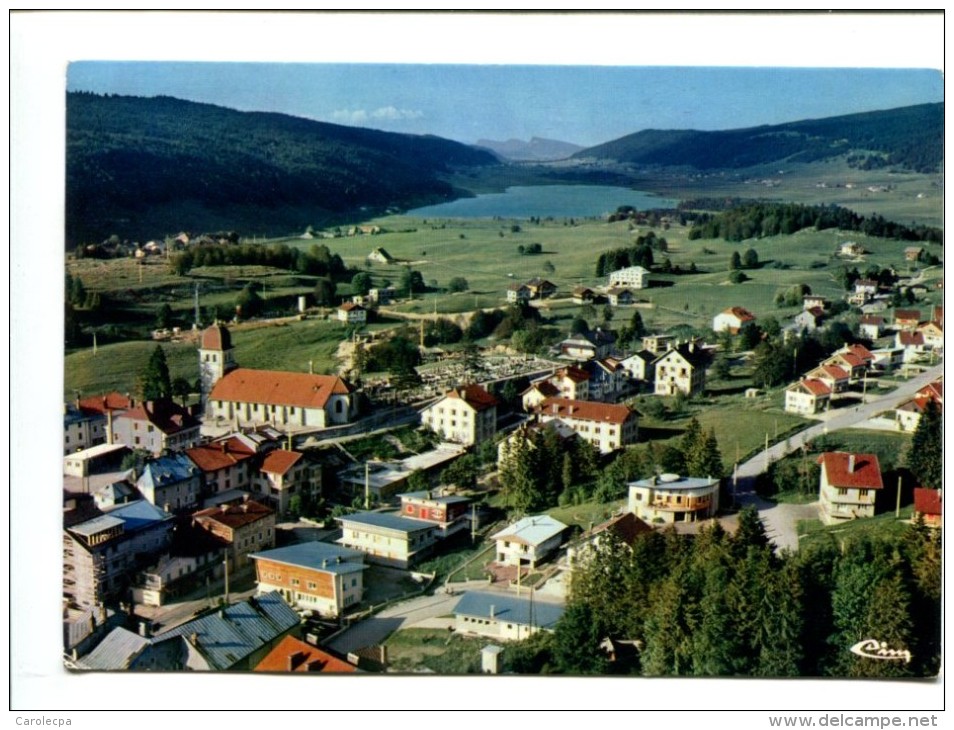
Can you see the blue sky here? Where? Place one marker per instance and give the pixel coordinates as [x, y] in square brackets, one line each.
[581, 104]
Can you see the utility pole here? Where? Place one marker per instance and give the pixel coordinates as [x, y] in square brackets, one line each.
[367, 485]
[226, 563]
[897, 504]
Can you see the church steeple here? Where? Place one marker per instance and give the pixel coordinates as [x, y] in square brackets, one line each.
[215, 358]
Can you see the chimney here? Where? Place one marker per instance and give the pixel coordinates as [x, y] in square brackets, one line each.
[194, 639]
[851, 463]
[492, 608]
[144, 629]
[245, 506]
[324, 563]
[224, 507]
[295, 659]
[383, 653]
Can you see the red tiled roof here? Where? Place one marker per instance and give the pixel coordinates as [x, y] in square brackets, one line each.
[866, 473]
[626, 526]
[850, 358]
[910, 339]
[815, 387]
[577, 375]
[107, 402]
[933, 390]
[907, 315]
[861, 351]
[832, 371]
[743, 314]
[235, 515]
[350, 307]
[545, 387]
[474, 396]
[166, 415]
[872, 319]
[216, 337]
[927, 501]
[280, 461]
[219, 455]
[280, 388]
[816, 312]
[294, 655]
[585, 410]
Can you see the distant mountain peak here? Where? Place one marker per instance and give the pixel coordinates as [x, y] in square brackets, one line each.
[538, 149]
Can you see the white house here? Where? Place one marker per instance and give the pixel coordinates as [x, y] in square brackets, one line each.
[807, 397]
[635, 277]
[848, 485]
[732, 319]
[671, 498]
[681, 369]
[352, 313]
[607, 426]
[529, 541]
[388, 538]
[466, 415]
[504, 617]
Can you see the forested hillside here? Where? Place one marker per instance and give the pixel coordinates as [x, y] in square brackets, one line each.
[140, 166]
[910, 138]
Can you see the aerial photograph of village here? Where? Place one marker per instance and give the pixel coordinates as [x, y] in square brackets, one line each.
[449, 369]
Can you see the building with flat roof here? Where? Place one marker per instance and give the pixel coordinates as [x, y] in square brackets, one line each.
[317, 576]
[503, 616]
[387, 538]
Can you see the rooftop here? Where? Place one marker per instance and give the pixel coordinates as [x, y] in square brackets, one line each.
[275, 387]
[673, 482]
[294, 655]
[235, 515]
[849, 470]
[385, 521]
[322, 556]
[280, 461]
[585, 410]
[533, 530]
[510, 609]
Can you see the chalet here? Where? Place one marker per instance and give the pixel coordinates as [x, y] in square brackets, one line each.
[933, 335]
[226, 464]
[541, 288]
[607, 379]
[851, 248]
[619, 296]
[836, 378]
[732, 319]
[907, 319]
[380, 256]
[282, 474]
[912, 343]
[352, 313]
[681, 369]
[316, 576]
[913, 253]
[388, 538]
[529, 541]
[245, 527]
[504, 617]
[608, 427]
[670, 498]
[582, 295]
[928, 504]
[807, 397]
[635, 277]
[255, 397]
[596, 343]
[871, 326]
[848, 485]
[861, 352]
[518, 293]
[465, 415]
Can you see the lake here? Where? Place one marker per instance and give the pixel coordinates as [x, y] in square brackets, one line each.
[558, 201]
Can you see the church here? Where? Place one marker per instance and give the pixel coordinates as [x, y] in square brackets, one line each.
[248, 397]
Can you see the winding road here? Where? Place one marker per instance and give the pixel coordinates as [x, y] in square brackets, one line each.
[780, 519]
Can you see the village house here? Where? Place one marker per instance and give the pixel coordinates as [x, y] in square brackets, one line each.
[193, 558]
[226, 465]
[571, 382]
[245, 528]
[908, 414]
[352, 313]
[928, 504]
[867, 287]
[851, 248]
[809, 320]
[848, 485]
[283, 474]
[912, 343]
[82, 428]
[382, 296]
[807, 397]
[294, 655]
[466, 415]
[596, 343]
[670, 498]
[537, 392]
[315, 576]
[104, 458]
[913, 253]
[658, 343]
[810, 301]
[640, 366]
[855, 365]
[635, 277]
[836, 378]
[607, 426]
[504, 617]
[607, 379]
[933, 335]
[254, 397]
[541, 288]
[171, 482]
[907, 319]
[681, 370]
[517, 293]
[380, 256]
[388, 538]
[619, 296]
[625, 527]
[529, 541]
[731, 320]
[155, 426]
[116, 493]
[582, 294]
[871, 326]
[102, 554]
[448, 512]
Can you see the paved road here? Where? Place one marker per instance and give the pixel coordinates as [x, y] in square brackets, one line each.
[780, 519]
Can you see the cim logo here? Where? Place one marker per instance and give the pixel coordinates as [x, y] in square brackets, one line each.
[874, 649]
